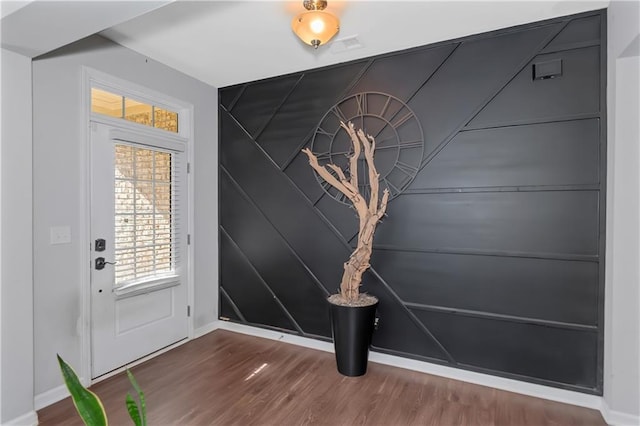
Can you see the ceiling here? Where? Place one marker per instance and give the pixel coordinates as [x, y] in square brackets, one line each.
[32, 28]
[228, 42]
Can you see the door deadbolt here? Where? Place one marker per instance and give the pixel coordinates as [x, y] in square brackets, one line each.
[100, 244]
[100, 262]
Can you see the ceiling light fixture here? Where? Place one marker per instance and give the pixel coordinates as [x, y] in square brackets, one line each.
[315, 27]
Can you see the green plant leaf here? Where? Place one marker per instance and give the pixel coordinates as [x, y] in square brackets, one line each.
[87, 403]
[132, 408]
[143, 405]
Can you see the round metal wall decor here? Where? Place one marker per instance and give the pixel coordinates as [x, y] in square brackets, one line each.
[398, 135]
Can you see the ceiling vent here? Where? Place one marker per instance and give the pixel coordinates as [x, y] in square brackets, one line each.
[345, 44]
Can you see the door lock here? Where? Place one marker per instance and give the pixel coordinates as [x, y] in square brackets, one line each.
[100, 262]
[100, 244]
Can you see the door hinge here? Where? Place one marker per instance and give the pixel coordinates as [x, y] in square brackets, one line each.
[188, 239]
[188, 167]
[188, 310]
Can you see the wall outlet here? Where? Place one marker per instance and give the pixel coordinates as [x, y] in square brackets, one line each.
[60, 234]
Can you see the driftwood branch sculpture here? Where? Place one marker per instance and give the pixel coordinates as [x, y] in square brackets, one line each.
[369, 211]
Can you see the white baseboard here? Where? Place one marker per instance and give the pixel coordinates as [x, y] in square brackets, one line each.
[618, 418]
[205, 329]
[275, 335]
[52, 396]
[29, 419]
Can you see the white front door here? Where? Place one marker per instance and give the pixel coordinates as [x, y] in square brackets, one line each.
[138, 245]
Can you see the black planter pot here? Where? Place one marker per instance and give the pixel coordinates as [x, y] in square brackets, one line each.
[352, 328]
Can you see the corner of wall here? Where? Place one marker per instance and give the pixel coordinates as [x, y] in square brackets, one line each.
[1, 259]
[206, 329]
[28, 419]
[17, 226]
[617, 418]
[54, 395]
[621, 399]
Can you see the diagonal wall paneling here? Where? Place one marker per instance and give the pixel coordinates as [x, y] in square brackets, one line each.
[415, 67]
[252, 297]
[491, 259]
[518, 348]
[297, 117]
[578, 32]
[572, 94]
[245, 227]
[310, 239]
[259, 102]
[470, 77]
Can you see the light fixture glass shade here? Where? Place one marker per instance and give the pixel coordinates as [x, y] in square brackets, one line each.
[315, 27]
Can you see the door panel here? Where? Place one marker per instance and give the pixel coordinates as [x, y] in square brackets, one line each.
[138, 206]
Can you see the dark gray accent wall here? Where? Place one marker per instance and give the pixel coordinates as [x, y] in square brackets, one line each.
[492, 259]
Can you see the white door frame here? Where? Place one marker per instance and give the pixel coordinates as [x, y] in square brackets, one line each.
[91, 77]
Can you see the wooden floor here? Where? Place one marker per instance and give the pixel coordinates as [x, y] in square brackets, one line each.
[226, 378]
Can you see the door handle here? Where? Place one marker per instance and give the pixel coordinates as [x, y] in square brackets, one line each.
[100, 262]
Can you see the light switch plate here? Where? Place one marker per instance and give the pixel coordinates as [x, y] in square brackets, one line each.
[60, 234]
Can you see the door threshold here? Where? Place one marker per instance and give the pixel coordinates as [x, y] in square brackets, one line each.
[139, 361]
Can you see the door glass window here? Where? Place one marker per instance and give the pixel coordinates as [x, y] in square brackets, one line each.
[138, 112]
[144, 214]
[106, 103]
[113, 105]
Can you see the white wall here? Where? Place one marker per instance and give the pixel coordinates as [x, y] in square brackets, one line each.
[622, 298]
[58, 165]
[1, 249]
[16, 275]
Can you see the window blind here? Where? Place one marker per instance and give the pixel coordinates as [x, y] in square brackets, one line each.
[148, 213]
